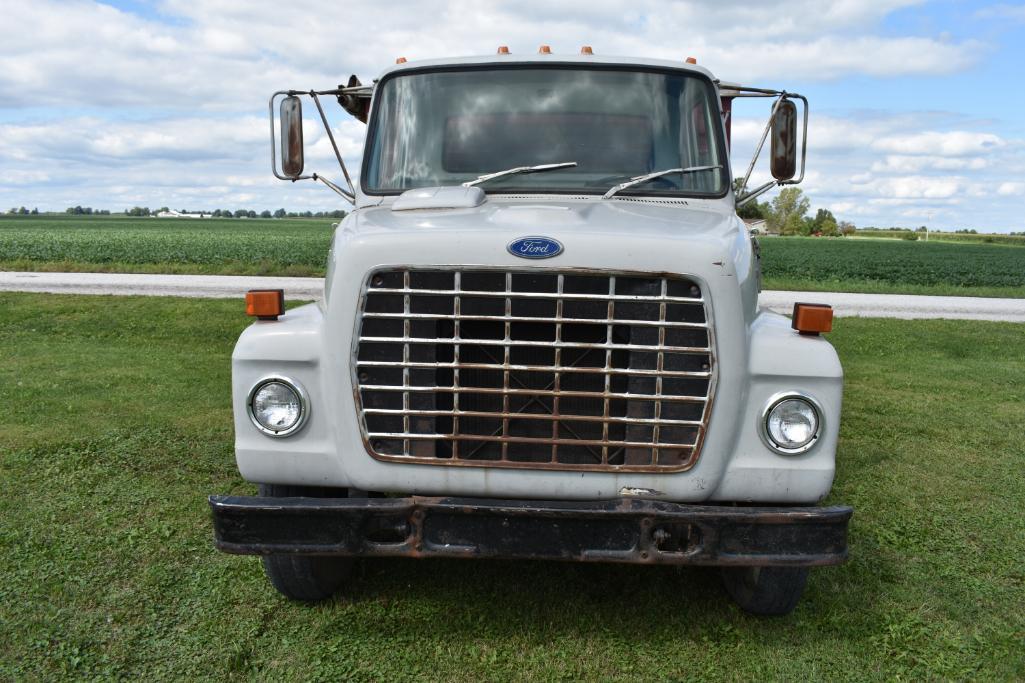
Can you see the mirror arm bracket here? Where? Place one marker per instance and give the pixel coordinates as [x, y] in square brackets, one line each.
[334, 146]
[349, 195]
[334, 187]
[757, 192]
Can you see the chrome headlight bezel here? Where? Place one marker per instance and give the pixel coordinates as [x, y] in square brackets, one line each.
[294, 386]
[775, 400]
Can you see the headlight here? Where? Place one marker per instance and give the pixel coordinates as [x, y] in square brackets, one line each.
[278, 406]
[791, 423]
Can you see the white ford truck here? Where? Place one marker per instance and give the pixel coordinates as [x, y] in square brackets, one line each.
[539, 338]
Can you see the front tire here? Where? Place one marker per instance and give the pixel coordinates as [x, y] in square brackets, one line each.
[306, 578]
[765, 591]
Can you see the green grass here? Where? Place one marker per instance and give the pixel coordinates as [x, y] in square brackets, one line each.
[893, 267]
[116, 425]
[299, 247]
[288, 246]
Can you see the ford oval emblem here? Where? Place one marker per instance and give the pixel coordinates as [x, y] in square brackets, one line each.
[535, 247]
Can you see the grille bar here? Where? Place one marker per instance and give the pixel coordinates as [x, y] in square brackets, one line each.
[537, 368]
[556, 344]
[526, 416]
[537, 295]
[534, 368]
[526, 319]
[536, 392]
[498, 438]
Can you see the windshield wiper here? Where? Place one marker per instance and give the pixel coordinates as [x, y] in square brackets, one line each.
[518, 169]
[650, 176]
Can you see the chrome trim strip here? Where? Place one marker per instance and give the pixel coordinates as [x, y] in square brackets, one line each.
[522, 319]
[556, 344]
[537, 392]
[497, 438]
[539, 295]
[406, 412]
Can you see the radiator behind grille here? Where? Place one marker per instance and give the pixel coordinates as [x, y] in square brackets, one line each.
[533, 368]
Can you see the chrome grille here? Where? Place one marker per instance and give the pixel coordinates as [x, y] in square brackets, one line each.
[533, 368]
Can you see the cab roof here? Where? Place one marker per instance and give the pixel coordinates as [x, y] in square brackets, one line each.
[546, 59]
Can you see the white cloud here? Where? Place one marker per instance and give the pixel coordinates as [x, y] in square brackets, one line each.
[919, 187]
[1011, 189]
[1013, 12]
[952, 143]
[221, 54]
[894, 163]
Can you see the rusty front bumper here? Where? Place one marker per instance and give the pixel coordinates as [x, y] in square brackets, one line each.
[624, 530]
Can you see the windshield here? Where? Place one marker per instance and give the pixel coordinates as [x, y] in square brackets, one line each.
[449, 127]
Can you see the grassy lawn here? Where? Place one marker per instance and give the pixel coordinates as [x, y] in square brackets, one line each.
[116, 425]
[299, 247]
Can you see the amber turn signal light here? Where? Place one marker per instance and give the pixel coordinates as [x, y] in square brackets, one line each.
[812, 319]
[265, 304]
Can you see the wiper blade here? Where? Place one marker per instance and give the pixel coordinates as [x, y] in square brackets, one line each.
[519, 169]
[650, 176]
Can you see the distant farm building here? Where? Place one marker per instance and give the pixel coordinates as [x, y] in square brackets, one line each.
[759, 226]
[181, 214]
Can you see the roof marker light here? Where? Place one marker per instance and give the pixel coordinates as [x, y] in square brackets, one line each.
[691, 60]
[586, 50]
[400, 60]
[544, 50]
[503, 49]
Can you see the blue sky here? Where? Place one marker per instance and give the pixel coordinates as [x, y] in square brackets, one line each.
[918, 108]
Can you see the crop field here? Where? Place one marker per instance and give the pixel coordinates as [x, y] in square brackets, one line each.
[852, 265]
[959, 237]
[286, 246]
[116, 425]
[299, 247]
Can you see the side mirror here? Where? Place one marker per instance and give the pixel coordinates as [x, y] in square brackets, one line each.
[292, 137]
[783, 151]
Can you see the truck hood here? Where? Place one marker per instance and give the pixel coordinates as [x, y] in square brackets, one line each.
[694, 237]
[670, 219]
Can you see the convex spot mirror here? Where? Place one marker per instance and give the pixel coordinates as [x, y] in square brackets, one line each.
[783, 153]
[291, 137]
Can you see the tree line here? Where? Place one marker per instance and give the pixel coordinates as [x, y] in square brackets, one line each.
[787, 214]
[238, 213]
[216, 213]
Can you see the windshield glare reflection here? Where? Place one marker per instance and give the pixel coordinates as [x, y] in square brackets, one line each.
[449, 127]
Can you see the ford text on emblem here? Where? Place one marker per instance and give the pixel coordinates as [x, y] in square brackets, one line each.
[535, 247]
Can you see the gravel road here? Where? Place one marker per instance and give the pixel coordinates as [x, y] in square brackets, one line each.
[229, 286]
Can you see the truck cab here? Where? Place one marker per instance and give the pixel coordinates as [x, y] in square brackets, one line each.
[539, 338]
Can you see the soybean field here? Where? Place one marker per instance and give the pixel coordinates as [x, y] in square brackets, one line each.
[896, 266]
[285, 246]
[299, 247]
